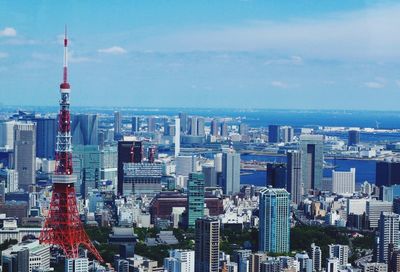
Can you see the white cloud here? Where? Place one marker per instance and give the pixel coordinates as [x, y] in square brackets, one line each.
[3, 55]
[115, 50]
[8, 32]
[279, 84]
[370, 33]
[374, 85]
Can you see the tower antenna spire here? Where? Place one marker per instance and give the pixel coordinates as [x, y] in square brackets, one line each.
[65, 72]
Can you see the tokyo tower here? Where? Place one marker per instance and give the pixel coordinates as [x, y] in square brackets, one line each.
[63, 227]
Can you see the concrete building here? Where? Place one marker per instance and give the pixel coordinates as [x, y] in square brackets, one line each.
[117, 125]
[230, 173]
[84, 129]
[341, 252]
[332, 265]
[374, 209]
[312, 160]
[142, 179]
[46, 134]
[26, 256]
[177, 137]
[180, 260]
[274, 135]
[375, 267]
[76, 265]
[389, 236]
[25, 154]
[294, 176]
[195, 196]
[135, 124]
[274, 227]
[344, 182]
[353, 137]
[151, 124]
[316, 257]
[87, 165]
[276, 175]
[214, 127]
[207, 245]
[10, 178]
[7, 134]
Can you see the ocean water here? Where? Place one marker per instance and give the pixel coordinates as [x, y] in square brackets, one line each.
[365, 169]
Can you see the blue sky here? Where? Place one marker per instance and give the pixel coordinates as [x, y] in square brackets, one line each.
[251, 54]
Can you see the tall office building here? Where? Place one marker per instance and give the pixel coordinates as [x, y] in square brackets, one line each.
[151, 124]
[184, 122]
[137, 152]
[316, 256]
[312, 160]
[287, 134]
[210, 175]
[195, 198]
[387, 173]
[276, 175]
[294, 176]
[332, 265]
[341, 252]
[135, 124]
[7, 134]
[274, 226]
[25, 154]
[224, 129]
[87, 165]
[344, 182]
[374, 209]
[243, 129]
[389, 238]
[10, 178]
[46, 133]
[185, 165]
[214, 127]
[242, 258]
[274, 133]
[125, 154]
[177, 137]
[117, 125]
[85, 129]
[142, 179]
[353, 137]
[231, 172]
[193, 126]
[200, 127]
[207, 245]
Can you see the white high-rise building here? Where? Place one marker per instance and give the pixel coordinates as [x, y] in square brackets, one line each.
[316, 256]
[77, 265]
[332, 265]
[341, 252]
[231, 173]
[11, 180]
[177, 137]
[180, 260]
[7, 134]
[344, 182]
[185, 165]
[218, 162]
[356, 206]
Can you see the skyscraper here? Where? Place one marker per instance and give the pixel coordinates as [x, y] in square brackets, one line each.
[135, 124]
[177, 137]
[276, 175]
[224, 129]
[25, 154]
[274, 227]
[7, 134]
[210, 175]
[231, 172]
[353, 137]
[243, 129]
[274, 135]
[214, 127]
[387, 173]
[86, 160]
[294, 176]
[200, 126]
[193, 125]
[389, 238]
[180, 260]
[184, 122]
[117, 125]
[207, 245]
[312, 160]
[316, 256]
[46, 132]
[344, 182]
[85, 129]
[125, 154]
[151, 124]
[286, 134]
[195, 198]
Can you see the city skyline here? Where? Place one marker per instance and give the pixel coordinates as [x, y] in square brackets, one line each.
[302, 55]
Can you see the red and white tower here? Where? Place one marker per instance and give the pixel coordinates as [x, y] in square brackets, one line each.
[63, 226]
